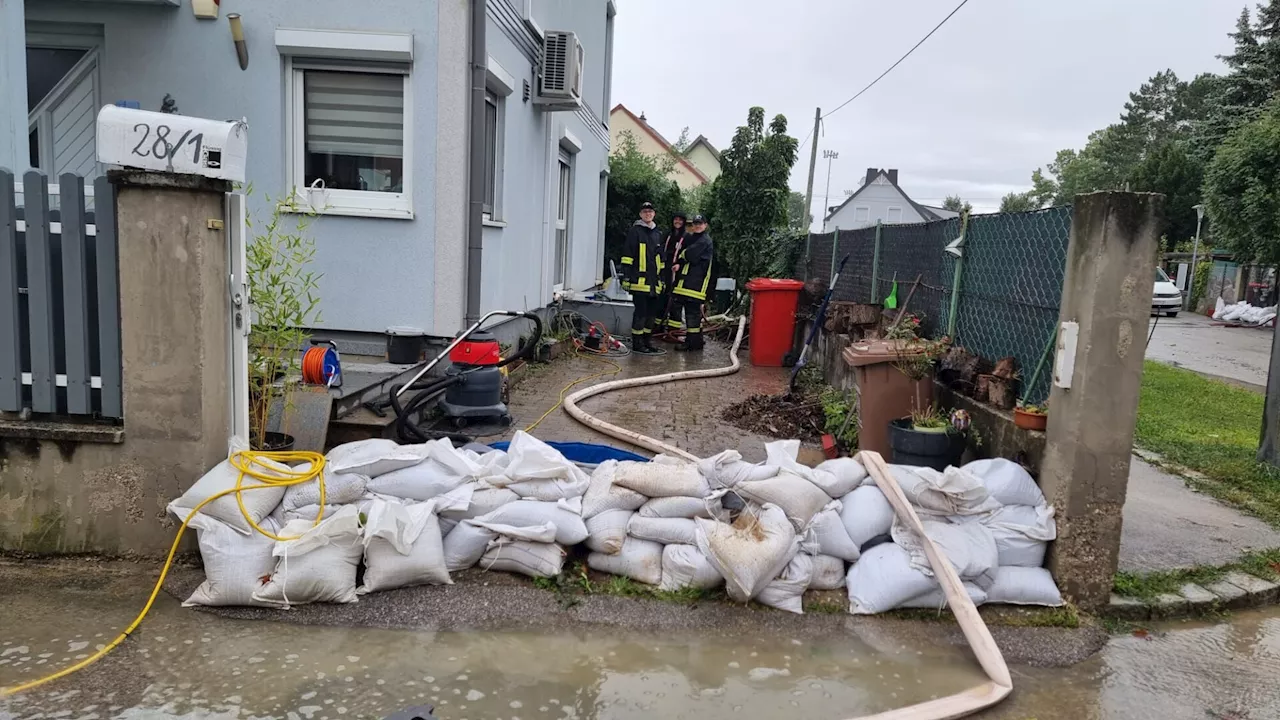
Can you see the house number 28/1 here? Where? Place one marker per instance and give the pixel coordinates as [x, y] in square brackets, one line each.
[161, 147]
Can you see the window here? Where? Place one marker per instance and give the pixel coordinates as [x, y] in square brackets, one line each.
[610, 11]
[895, 215]
[349, 138]
[862, 215]
[563, 209]
[499, 84]
[490, 151]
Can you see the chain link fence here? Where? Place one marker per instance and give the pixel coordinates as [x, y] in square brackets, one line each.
[1010, 282]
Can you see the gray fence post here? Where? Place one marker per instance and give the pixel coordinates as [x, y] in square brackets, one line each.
[10, 345]
[108, 270]
[835, 249]
[955, 281]
[75, 294]
[875, 266]
[35, 198]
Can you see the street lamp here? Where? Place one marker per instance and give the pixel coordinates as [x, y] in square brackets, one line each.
[1195, 250]
[830, 156]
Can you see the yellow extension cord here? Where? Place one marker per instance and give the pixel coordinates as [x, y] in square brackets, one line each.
[243, 461]
[616, 369]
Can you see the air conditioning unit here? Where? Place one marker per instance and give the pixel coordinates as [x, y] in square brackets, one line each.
[560, 77]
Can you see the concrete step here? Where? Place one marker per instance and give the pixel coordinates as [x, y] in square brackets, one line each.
[366, 381]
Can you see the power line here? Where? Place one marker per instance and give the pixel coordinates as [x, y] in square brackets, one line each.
[904, 57]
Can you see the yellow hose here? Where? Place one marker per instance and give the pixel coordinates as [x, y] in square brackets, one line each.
[245, 462]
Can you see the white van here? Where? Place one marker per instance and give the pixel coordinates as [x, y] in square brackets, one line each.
[1167, 298]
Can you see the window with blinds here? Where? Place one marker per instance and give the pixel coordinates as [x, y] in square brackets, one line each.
[353, 135]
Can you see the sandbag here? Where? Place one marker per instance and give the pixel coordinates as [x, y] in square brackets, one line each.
[727, 469]
[828, 573]
[684, 507]
[784, 454]
[534, 559]
[663, 530]
[607, 531]
[234, 563]
[797, 497]
[883, 579]
[319, 566]
[550, 490]
[422, 481]
[1024, 586]
[484, 500]
[339, 489]
[969, 547]
[308, 512]
[403, 547]
[848, 474]
[465, 545]
[259, 498]
[603, 494]
[566, 515]
[787, 591]
[640, 560]
[662, 479]
[1022, 533]
[828, 532]
[936, 599]
[866, 513]
[751, 552]
[1006, 481]
[684, 566]
[951, 492]
[528, 458]
[374, 457]
[544, 533]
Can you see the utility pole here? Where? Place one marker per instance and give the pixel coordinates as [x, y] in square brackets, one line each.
[808, 193]
[1195, 250]
[831, 156]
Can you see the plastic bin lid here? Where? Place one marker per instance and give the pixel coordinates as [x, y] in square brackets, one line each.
[406, 330]
[871, 352]
[772, 284]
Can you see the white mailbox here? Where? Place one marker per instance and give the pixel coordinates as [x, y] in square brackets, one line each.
[172, 143]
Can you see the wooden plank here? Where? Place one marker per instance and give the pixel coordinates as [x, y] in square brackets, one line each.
[10, 341]
[108, 254]
[75, 294]
[40, 292]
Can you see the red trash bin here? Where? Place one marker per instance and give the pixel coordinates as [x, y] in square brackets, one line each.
[773, 318]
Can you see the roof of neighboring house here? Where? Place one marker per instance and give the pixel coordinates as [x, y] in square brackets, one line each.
[941, 212]
[703, 141]
[925, 212]
[663, 141]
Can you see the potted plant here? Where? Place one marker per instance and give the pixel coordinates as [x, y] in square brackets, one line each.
[1031, 417]
[282, 302]
[926, 438]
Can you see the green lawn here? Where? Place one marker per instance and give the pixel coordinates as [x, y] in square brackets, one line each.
[1211, 427]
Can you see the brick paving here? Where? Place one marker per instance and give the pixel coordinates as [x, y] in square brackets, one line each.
[685, 414]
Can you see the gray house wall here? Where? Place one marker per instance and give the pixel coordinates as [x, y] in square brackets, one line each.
[877, 198]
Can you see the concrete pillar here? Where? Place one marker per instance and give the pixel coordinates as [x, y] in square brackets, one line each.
[1107, 291]
[14, 148]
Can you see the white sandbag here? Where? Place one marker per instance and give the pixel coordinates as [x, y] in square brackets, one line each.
[883, 579]
[550, 490]
[662, 479]
[607, 531]
[784, 455]
[848, 474]
[465, 545]
[566, 515]
[828, 532]
[798, 498]
[535, 559]
[787, 591]
[528, 458]
[260, 498]
[422, 481]
[1022, 533]
[969, 547]
[684, 507]
[684, 566]
[866, 513]
[1006, 481]
[234, 563]
[727, 469]
[1024, 586]
[544, 533]
[663, 530]
[951, 492]
[936, 599]
[828, 573]
[319, 566]
[446, 525]
[750, 552]
[374, 457]
[339, 489]
[603, 494]
[403, 547]
[308, 512]
[640, 560]
[1218, 308]
[484, 500]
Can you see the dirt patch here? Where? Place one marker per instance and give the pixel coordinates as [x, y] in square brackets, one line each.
[798, 415]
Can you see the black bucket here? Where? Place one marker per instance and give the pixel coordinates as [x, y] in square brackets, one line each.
[935, 450]
[405, 345]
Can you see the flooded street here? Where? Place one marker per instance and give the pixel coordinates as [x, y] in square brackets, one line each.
[188, 664]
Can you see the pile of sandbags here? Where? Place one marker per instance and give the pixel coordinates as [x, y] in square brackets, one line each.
[1243, 313]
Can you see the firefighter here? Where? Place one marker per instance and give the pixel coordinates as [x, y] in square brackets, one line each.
[642, 277]
[668, 311]
[692, 270]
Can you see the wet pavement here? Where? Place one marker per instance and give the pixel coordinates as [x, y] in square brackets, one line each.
[1238, 355]
[189, 664]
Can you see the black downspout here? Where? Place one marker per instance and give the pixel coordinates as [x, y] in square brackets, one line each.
[475, 189]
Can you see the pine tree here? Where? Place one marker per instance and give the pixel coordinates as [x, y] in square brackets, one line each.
[1247, 87]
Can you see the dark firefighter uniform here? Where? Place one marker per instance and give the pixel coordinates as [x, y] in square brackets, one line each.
[692, 278]
[642, 276]
[668, 310]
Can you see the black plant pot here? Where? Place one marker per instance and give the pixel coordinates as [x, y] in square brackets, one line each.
[276, 442]
[936, 450]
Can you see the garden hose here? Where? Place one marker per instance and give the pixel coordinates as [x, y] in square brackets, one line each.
[245, 462]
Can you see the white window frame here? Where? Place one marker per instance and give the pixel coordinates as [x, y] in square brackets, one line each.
[493, 209]
[861, 214]
[500, 84]
[564, 198]
[357, 203]
[889, 215]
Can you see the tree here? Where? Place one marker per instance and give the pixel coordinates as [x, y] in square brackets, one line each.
[798, 216]
[955, 204]
[1240, 190]
[748, 203]
[634, 178]
[1170, 170]
[1251, 81]
[1018, 202]
[681, 145]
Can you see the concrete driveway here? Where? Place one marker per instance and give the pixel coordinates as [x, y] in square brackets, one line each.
[1237, 355]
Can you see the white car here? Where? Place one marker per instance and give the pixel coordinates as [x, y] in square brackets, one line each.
[1167, 298]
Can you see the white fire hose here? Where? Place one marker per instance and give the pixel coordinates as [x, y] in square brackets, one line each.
[964, 703]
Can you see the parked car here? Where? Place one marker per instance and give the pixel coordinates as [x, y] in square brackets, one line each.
[1167, 298]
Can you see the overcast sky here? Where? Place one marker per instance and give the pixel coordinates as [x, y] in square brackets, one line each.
[990, 97]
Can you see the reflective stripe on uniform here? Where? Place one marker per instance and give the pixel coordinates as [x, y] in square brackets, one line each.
[628, 261]
[644, 257]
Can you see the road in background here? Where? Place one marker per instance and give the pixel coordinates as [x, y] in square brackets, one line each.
[1238, 355]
